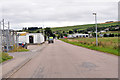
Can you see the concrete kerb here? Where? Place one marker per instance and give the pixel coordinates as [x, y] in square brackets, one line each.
[15, 69]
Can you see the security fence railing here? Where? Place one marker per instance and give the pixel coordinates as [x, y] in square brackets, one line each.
[8, 37]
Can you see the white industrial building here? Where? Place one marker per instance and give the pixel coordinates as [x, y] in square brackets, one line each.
[34, 38]
[78, 35]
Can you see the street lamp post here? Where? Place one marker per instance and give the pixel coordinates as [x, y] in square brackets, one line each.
[43, 30]
[96, 27]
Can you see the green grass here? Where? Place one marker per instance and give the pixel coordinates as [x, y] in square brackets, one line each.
[4, 57]
[108, 45]
[113, 32]
[20, 49]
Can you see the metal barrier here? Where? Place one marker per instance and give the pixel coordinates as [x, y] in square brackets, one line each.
[8, 37]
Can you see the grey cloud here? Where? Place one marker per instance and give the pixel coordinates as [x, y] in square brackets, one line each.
[57, 11]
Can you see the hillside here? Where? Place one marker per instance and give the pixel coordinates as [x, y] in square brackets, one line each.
[83, 27]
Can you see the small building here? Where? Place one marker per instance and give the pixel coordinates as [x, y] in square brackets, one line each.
[90, 36]
[70, 36]
[102, 31]
[31, 38]
[78, 35]
[81, 35]
[107, 29]
[89, 31]
[101, 35]
[117, 28]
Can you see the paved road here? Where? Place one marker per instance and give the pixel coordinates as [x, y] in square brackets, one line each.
[62, 60]
[20, 58]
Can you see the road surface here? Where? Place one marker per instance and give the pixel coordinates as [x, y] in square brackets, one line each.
[63, 60]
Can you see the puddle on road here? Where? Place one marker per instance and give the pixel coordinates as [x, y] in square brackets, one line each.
[86, 66]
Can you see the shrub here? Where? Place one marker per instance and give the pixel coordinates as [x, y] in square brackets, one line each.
[115, 46]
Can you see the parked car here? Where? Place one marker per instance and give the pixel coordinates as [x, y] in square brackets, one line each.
[23, 44]
[65, 37]
[50, 40]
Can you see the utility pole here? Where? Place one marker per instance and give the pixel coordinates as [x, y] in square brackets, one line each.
[0, 38]
[3, 39]
[3, 29]
[96, 27]
[16, 44]
[3, 26]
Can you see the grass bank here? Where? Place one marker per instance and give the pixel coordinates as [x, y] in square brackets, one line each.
[107, 45]
[4, 57]
[82, 27]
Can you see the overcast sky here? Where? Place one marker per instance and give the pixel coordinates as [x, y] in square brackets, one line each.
[57, 13]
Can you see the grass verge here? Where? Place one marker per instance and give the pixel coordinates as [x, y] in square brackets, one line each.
[4, 57]
[98, 48]
[19, 49]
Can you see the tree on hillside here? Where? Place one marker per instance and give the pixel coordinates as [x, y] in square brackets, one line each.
[75, 31]
[105, 35]
[38, 32]
[48, 32]
[70, 32]
[24, 28]
[63, 31]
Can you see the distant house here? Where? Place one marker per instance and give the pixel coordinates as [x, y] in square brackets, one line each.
[70, 36]
[95, 32]
[102, 31]
[107, 29]
[34, 38]
[101, 35]
[117, 28]
[108, 35]
[90, 35]
[89, 31]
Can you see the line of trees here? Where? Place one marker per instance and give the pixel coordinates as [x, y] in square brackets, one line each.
[61, 33]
